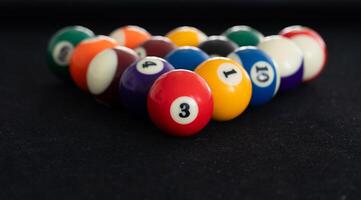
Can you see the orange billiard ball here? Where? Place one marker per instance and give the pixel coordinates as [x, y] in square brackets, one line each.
[130, 36]
[83, 54]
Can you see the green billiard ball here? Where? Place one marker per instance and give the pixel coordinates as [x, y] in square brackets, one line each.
[61, 47]
[243, 35]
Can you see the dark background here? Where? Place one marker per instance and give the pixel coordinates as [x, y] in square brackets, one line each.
[58, 143]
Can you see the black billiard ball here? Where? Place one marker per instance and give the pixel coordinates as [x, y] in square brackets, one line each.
[218, 46]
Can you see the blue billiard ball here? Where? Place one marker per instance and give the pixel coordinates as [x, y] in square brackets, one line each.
[262, 71]
[186, 57]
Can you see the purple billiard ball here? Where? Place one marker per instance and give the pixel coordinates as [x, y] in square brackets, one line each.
[136, 81]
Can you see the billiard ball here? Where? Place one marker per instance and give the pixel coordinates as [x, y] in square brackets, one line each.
[83, 54]
[158, 46]
[61, 47]
[180, 103]
[105, 70]
[244, 35]
[288, 57]
[230, 85]
[186, 57]
[186, 36]
[218, 46]
[136, 81]
[262, 71]
[130, 36]
[313, 47]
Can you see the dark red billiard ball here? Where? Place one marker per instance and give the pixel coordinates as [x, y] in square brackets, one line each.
[180, 103]
[156, 46]
[105, 70]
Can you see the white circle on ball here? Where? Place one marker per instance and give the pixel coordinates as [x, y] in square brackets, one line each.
[101, 71]
[184, 110]
[62, 53]
[262, 74]
[150, 66]
[141, 52]
[229, 74]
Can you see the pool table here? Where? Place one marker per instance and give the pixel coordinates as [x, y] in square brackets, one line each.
[56, 142]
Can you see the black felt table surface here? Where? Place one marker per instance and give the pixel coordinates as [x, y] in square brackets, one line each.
[59, 143]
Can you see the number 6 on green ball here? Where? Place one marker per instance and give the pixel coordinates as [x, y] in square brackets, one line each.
[61, 46]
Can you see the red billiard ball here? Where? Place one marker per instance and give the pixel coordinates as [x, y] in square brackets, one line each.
[180, 103]
[156, 46]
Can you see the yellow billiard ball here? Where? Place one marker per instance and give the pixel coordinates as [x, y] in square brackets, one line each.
[230, 85]
[186, 36]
